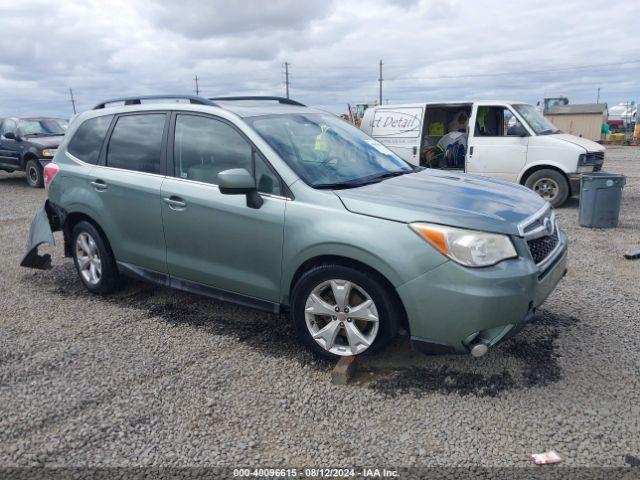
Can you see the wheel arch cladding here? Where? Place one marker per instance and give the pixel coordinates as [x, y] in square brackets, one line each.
[29, 155]
[70, 221]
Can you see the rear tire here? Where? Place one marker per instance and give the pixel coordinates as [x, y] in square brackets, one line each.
[550, 185]
[366, 319]
[35, 173]
[94, 260]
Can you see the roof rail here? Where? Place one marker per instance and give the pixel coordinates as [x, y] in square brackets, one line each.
[285, 101]
[138, 100]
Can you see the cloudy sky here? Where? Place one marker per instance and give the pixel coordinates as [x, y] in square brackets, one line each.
[431, 50]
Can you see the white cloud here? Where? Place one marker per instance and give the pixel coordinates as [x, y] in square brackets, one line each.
[107, 49]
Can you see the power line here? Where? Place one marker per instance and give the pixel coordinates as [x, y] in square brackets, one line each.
[524, 72]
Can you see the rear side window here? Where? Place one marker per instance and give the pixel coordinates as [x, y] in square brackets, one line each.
[87, 140]
[136, 143]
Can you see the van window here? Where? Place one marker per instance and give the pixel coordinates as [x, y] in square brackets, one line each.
[136, 143]
[205, 146]
[87, 141]
[496, 122]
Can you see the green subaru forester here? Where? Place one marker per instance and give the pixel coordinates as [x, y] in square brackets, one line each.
[264, 202]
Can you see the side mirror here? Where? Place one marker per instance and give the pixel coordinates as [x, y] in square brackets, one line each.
[517, 131]
[10, 136]
[238, 181]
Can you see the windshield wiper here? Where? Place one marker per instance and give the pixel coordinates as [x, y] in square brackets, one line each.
[362, 181]
[338, 185]
[548, 131]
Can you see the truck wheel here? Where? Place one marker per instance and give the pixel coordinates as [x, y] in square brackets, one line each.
[340, 311]
[94, 260]
[35, 173]
[550, 185]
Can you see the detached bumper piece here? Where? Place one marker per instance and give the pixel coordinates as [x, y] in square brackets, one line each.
[40, 233]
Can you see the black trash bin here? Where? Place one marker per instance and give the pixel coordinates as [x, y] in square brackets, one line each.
[600, 196]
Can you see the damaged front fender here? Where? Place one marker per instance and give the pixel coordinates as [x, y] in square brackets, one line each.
[41, 232]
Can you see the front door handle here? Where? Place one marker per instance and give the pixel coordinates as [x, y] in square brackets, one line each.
[99, 185]
[175, 203]
[471, 150]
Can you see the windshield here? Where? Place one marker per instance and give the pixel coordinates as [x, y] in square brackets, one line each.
[44, 126]
[327, 152]
[539, 124]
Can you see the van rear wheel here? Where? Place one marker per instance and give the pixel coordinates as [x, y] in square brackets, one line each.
[550, 185]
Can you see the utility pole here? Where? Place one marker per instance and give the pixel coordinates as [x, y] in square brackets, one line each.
[73, 101]
[380, 80]
[286, 78]
[598, 99]
[197, 90]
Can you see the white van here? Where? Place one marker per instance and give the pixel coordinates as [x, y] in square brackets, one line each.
[507, 140]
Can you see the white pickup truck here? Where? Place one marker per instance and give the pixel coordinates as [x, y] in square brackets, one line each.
[507, 140]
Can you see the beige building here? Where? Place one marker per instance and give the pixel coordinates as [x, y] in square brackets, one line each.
[583, 120]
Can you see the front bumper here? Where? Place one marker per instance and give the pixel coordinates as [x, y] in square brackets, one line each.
[451, 307]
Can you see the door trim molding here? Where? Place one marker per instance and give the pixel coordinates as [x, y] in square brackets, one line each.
[166, 280]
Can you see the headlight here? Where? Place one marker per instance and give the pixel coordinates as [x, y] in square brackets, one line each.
[49, 152]
[467, 247]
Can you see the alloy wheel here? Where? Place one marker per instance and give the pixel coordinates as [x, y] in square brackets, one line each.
[88, 257]
[341, 317]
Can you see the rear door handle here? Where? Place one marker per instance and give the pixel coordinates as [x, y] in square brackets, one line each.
[471, 150]
[175, 203]
[99, 185]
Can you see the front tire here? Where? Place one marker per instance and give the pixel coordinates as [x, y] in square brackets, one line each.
[550, 185]
[94, 260]
[340, 311]
[35, 173]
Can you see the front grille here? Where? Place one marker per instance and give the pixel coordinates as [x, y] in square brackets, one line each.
[540, 248]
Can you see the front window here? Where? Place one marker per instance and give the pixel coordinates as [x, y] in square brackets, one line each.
[327, 152]
[539, 124]
[44, 126]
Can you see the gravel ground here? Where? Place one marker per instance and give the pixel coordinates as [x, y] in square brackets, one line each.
[151, 376]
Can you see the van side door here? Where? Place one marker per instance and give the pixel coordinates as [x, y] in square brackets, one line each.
[215, 242]
[497, 144]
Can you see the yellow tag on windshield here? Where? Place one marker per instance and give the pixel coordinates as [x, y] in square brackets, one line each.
[321, 144]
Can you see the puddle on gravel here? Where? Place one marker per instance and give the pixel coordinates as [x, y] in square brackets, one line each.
[534, 349]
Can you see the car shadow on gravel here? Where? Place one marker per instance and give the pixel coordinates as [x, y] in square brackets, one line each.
[530, 359]
[270, 334]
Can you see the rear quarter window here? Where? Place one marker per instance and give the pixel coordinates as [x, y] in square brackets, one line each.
[87, 141]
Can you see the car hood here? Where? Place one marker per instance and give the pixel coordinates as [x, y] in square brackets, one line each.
[454, 199]
[588, 145]
[45, 142]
